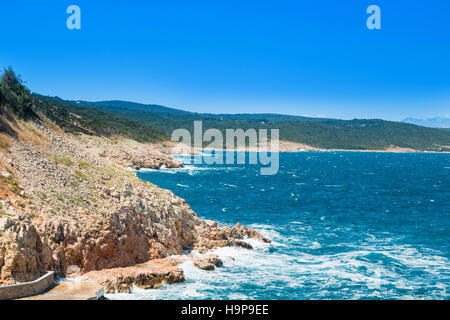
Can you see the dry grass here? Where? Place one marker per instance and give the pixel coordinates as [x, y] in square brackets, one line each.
[5, 142]
[29, 133]
[80, 174]
[52, 126]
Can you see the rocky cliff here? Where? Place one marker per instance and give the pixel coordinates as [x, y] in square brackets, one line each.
[69, 200]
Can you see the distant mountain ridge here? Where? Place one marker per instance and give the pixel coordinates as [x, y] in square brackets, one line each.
[128, 105]
[436, 122]
[125, 105]
[154, 122]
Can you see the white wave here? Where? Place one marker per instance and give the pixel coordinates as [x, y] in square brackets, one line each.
[377, 269]
[315, 245]
[230, 185]
[275, 272]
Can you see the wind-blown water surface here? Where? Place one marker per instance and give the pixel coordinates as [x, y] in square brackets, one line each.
[344, 225]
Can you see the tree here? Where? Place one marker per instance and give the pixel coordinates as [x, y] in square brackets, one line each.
[15, 96]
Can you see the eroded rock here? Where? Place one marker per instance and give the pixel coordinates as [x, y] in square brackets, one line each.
[20, 248]
[123, 280]
[209, 262]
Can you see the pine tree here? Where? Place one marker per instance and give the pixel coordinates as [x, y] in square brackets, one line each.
[15, 96]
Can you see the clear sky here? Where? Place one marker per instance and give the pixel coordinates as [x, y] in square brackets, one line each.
[312, 58]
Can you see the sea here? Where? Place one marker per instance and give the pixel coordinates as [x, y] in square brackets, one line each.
[343, 225]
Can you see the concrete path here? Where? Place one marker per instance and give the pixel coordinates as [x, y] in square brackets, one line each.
[70, 290]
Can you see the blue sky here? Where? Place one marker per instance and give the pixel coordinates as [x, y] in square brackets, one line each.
[312, 58]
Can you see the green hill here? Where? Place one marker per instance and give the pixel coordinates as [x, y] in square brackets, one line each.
[357, 134]
[73, 118]
[128, 105]
[155, 123]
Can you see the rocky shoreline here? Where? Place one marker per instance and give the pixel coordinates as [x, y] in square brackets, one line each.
[69, 200]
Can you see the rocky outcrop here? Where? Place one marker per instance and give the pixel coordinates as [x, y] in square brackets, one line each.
[139, 160]
[122, 280]
[214, 236]
[78, 208]
[20, 250]
[209, 262]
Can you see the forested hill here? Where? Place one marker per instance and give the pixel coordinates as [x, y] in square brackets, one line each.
[155, 123]
[74, 118]
[115, 104]
[358, 134]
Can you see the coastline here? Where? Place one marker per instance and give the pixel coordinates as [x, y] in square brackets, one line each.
[82, 208]
[300, 235]
[146, 273]
[289, 146]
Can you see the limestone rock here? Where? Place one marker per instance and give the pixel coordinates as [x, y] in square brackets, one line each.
[209, 262]
[122, 280]
[20, 248]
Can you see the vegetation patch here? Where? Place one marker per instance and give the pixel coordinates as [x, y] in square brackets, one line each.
[80, 174]
[62, 160]
[15, 96]
[84, 164]
[15, 186]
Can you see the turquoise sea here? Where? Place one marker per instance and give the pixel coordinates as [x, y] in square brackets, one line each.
[344, 225]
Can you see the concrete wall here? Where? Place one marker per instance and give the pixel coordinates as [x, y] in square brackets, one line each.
[27, 289]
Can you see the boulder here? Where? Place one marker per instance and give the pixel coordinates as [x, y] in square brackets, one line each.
[209, 262]
[122, 280]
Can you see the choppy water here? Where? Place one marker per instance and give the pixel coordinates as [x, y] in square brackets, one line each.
[344, 225]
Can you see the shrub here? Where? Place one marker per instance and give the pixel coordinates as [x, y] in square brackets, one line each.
[15, 96]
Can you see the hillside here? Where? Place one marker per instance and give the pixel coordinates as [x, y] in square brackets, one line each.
[358, 134]
[67, 198]
[73, 118]
[129, 105]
